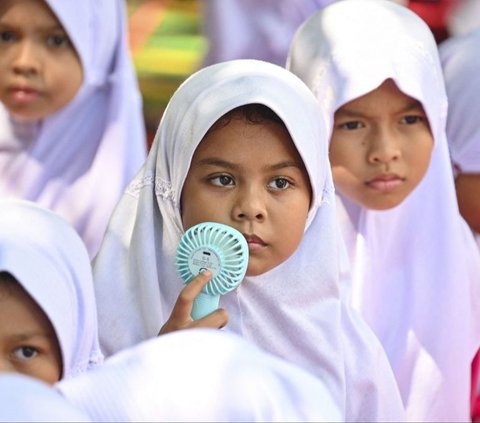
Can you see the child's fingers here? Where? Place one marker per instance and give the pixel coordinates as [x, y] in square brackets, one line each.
[183, 306]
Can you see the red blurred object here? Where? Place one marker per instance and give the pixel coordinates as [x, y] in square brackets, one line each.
[434, 13]
[475, 399]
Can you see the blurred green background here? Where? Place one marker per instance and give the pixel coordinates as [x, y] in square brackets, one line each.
[167, 46]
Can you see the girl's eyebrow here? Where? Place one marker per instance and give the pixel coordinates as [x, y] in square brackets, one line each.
[11, 26]
[412, 105]
[21, 337]
[213, 161]
[285, 164]
[228, 165]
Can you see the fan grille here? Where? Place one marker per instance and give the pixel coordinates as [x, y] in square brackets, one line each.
[215, 247]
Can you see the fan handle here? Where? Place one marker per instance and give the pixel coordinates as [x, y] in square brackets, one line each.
[204, 304]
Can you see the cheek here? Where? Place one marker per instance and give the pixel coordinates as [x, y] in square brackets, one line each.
[420, 161]
[344, 179]
[68, 84]
[196, 208]
[347, 151]
[50, 373]
[296, 228]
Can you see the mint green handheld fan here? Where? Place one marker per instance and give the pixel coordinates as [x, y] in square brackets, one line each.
[218, 248]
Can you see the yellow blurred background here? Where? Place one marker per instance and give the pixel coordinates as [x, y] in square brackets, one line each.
[167, 46]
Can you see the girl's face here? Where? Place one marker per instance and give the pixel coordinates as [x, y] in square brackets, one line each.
[28, 343]
[380, 148]
[251, 177]
[40, 71]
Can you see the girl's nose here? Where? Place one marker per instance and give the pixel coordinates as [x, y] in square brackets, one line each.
[27, 60]
[250, 205]
[384, 148]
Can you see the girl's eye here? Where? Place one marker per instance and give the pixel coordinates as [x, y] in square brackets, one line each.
[410, 120]
[58, 40]
[6, 36]
[279, 184]
[222, 180]
[351, 125]
[25, 353]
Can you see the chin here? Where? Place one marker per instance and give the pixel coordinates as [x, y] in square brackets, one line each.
[385, 203]
[257, 269]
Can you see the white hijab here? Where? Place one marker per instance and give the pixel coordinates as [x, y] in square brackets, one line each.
[294, 310]
[49, 260]
[79, 160]
[199, 375]
[415, 266]
[461, 68]
[26, 399]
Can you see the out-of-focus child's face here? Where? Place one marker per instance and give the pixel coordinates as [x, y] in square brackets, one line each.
[251, 177]
[380, 148]
[28, 343]
[40, 71]
[468, 195]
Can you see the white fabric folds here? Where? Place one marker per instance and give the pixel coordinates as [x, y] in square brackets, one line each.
[79, 160]
[461, 65]
[49, 260]
[415, 267]
[199, 375]
[25, 399]
[293, 311]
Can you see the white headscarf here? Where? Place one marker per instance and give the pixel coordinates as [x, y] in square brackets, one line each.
[26, 399]
[294, 310]
[199, 375]
[415, 266]
[461, 67]
[79, 160]
[50, 262]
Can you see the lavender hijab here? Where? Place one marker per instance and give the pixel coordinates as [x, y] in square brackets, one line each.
[49, 260]
[415, 267]
[78, 161]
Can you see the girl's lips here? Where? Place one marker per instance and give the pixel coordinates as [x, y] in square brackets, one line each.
[254, 242]
[385, 183]
[23, 96]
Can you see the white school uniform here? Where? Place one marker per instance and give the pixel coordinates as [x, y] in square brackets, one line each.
[461, 70]
[199, 375]
[415, 267]
[49, 260]
[26, 399]
[79, 160]
[294, 310]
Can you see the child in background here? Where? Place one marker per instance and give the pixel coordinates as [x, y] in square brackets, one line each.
[244, 143]
[374, 65]
[252, 29]
[48, 320]
[461, 70]
[71, 125]
[199, 375]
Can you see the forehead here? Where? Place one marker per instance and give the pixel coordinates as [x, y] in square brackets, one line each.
[385, 98]
[29, 12]
[239, 138]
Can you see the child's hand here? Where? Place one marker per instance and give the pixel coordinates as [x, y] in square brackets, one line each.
[180, 317]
